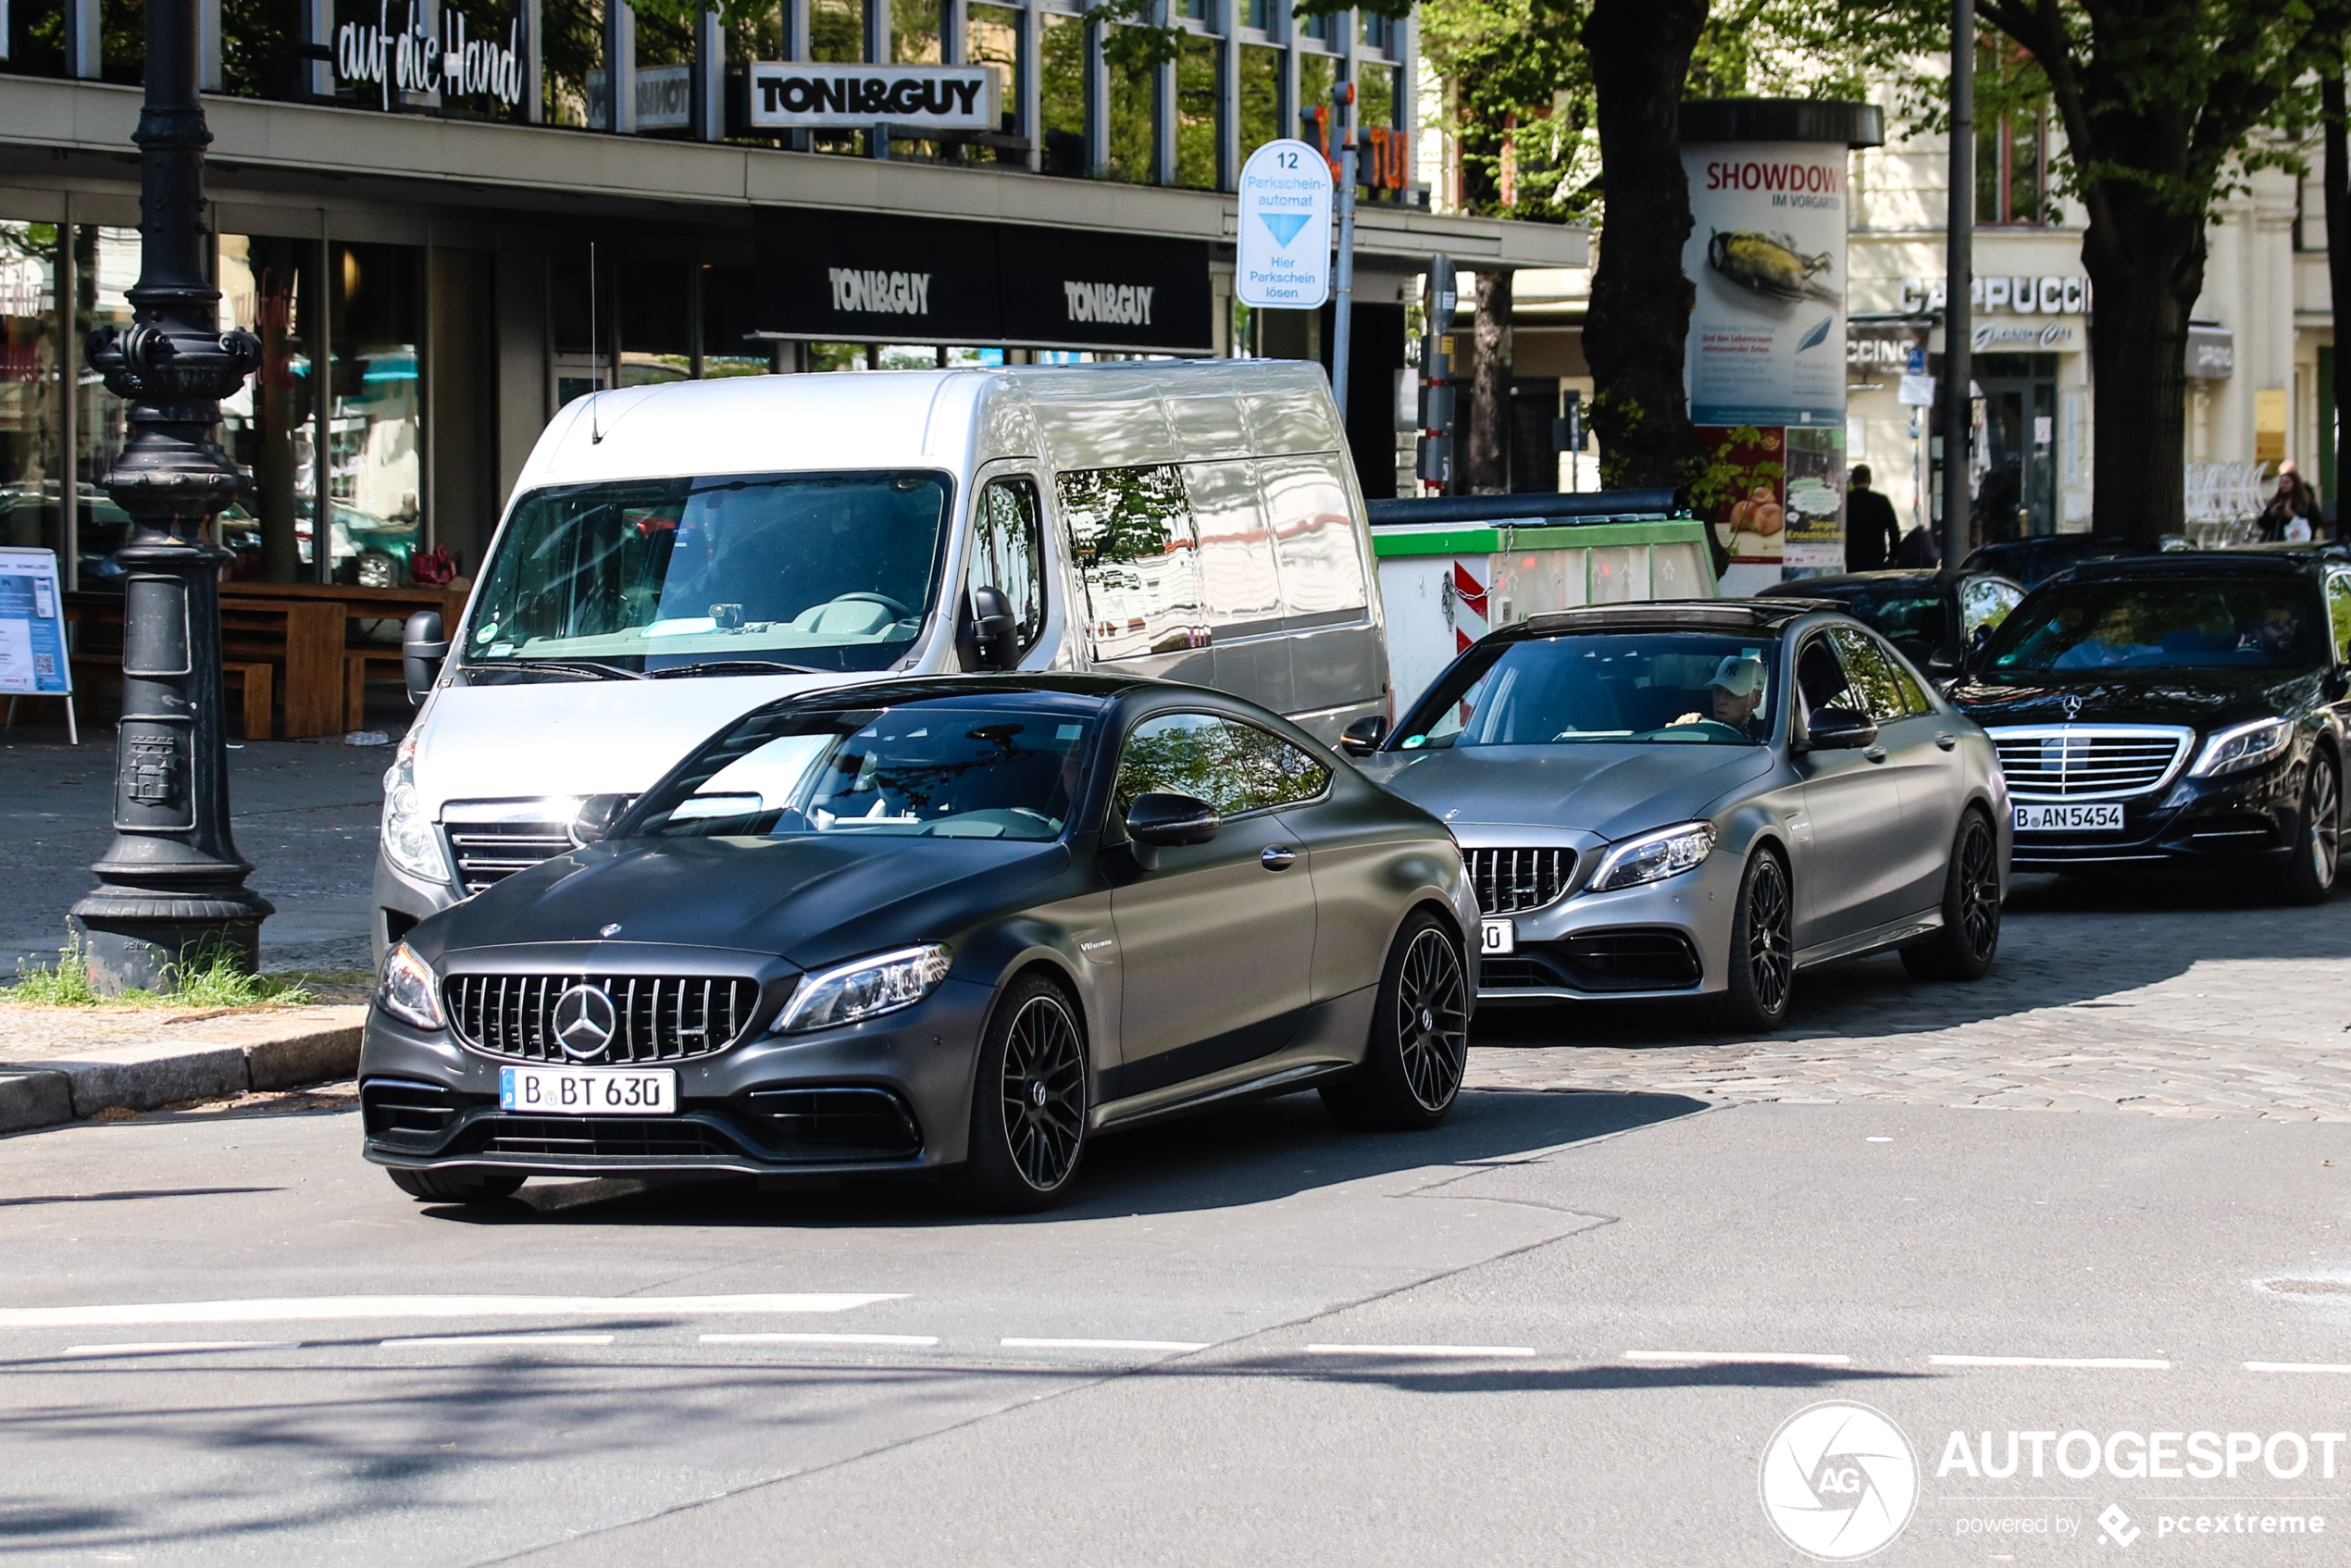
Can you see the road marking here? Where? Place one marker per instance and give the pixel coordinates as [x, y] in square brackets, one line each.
[178, 1347]
[1431, 1351]
[1018, 1344]
[2125, 1364]
[918, 1340]
[315, 1308]
[501, 1340]
[2297, 1366]
[1741, 1358]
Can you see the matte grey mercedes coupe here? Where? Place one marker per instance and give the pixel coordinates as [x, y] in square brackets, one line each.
[1700, 797]
[958, 924]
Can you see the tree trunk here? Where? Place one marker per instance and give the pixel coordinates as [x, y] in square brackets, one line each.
[1486, 453]
[1641, 302]
[2338, 185]
[2146, 262]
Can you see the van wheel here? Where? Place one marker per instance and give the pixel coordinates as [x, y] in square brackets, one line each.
[456, 1186]
[1028, 1102]
[2309, 872]
[1419, 1047]
[1762, 957]
[1962, 950]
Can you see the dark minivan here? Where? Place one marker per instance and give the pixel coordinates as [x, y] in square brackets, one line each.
[2187, 707]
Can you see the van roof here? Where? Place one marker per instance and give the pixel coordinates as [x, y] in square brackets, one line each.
[1073, 417]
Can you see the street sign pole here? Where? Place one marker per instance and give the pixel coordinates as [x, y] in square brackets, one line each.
[1958, 266]
[1343, 312]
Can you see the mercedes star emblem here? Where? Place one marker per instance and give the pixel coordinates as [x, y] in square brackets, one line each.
[2073, 705]
[584, 1021]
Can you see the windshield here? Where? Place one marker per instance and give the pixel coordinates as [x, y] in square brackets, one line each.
[1683, 687]
[2226, 624]
[830, 571]
[924, 771]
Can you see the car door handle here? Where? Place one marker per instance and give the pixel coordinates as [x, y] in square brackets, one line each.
[1945, 740]
[1278, 857]
[1875, 753]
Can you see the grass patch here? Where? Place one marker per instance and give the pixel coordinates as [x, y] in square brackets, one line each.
[218, 984]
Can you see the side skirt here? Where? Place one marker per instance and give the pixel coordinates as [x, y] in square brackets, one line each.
[1876, 940]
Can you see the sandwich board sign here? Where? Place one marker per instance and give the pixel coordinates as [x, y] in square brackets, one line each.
[33, 638]
[1284, 247]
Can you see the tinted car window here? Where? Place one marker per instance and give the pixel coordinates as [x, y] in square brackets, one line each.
[1820, 678]
[1008, 553]
[1673, 686]
[2173, 624]
[922, 769]
[1234, 766]
[1908, 620]
[1984, 601]
[1870, 678]
[1130, 532]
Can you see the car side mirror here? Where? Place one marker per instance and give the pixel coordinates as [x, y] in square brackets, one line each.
[1942, 667]
[1363, 738]
[1157, 820]
[992, 628]
[1975, 641]
[1839, 729]
[596, 817]
[422, 647]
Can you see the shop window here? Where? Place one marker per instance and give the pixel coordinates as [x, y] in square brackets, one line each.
[1134, 143]
[1062, 96]
[105, 263]
[34, 481]
[375, 431]
[2011, 143]
[1199, 113]
[268, 286]
[257, 40]
[656, 343]
[729, 316]
[36, 38]
[572, 53]
[1261, 104]
[992, 38]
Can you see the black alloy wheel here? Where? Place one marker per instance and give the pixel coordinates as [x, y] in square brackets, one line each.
[1028, 1102]
[1762, 958]
[1963, 949]
[456, 1186]
[1419, 1047]
[2309, 871]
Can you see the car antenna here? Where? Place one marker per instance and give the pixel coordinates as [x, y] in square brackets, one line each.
[595, 361]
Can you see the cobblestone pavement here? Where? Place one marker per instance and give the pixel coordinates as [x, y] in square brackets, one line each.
[2167, 996]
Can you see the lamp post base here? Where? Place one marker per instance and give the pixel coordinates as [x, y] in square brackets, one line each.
[146, 943]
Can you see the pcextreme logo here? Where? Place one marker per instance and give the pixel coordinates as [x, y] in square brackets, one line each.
[1839, 1481]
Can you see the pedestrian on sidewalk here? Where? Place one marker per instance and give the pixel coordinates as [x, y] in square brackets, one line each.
[2293, 512]
[1872, 534]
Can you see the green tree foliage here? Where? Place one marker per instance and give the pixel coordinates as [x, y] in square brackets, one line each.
[1519, 96]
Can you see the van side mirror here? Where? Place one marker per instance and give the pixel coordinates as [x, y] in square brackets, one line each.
[1363, 738]
[596, 815]
[1839, 729]
[422, 647]
[992, 628]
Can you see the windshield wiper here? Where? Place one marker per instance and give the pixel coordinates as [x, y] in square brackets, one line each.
[712, 667]
[577, 666]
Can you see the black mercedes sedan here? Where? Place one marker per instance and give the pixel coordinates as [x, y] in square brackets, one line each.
[1931, 616]
[958, 924]
[2187, 707]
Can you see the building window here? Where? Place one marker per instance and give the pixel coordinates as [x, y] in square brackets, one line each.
[572, 51]
[1062, 96]
[1261, 104]
[268, 287]
[1198, 116]
[1259, 14]
[2011, 144]
[1379, 32]
[914, 32]
[34, 481]
[991, 37]
[1317, 78]
[1133, 140]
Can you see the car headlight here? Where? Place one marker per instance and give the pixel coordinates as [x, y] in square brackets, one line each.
[1652, 857]
[2242, 746]
[866, 989]
[409, 838]
[409, 991]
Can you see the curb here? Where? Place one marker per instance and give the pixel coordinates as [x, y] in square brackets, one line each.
[147, 1073]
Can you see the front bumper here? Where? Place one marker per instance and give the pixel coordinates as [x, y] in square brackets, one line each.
[890, 1094]
[1662, 939]
[2252, 818]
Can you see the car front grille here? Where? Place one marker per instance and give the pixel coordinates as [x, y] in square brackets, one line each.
[603, 1138]
[489, 853]
[1513, 881]
[655, 1018]
[2089, 762]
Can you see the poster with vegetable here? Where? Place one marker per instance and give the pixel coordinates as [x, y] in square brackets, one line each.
[1745, 490]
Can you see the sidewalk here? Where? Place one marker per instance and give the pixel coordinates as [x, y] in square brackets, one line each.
[63, 1063]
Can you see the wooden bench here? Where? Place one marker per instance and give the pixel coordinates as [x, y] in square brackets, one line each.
[255, 684]
[361, 665]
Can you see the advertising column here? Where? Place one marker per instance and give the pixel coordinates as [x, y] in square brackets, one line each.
[1765, 366]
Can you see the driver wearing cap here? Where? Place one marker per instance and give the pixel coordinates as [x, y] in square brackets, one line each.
[1736, 690]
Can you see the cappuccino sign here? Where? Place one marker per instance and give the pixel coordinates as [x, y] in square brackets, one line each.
[801, 96]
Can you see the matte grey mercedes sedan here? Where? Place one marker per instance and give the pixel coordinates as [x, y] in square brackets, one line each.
[1700, 797]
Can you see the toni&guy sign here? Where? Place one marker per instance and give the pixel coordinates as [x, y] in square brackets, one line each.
[802, 95]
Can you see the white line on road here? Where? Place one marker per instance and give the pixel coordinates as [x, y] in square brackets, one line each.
[461, 1339]
[918, 1340]
[2297, 1366]
[1741, 1358]
[1433, 1350]
[2093, 1364]
[314, 1308]
[1100, 1345]
[178, 1347]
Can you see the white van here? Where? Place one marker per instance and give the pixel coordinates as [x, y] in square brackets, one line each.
[675, 557]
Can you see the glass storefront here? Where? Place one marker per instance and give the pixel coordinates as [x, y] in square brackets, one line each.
[33, 469]
[268, 287]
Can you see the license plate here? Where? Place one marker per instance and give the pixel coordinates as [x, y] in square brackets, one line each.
[2106, 819]
[1499, 936]
[588, 1091]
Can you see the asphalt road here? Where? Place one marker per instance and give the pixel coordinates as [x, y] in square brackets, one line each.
[1562, 1328]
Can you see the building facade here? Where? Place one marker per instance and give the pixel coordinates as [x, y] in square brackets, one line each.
[444, 219]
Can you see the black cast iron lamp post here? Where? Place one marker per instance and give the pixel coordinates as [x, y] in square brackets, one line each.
[172, 892]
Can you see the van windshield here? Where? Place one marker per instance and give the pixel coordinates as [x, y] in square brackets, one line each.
[828, 572]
